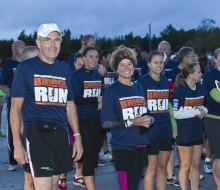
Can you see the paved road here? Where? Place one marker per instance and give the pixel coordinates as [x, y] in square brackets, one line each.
[106, 176]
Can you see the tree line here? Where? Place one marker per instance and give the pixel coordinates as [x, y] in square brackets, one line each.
[204, 38]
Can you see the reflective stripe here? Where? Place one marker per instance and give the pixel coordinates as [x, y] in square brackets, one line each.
[29, 157]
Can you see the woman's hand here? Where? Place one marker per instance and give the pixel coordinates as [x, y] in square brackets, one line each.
[144, 121]
[99, 102]
[175, 134]
[202, 113]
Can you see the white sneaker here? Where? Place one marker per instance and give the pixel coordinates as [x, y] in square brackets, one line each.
[207, 168]
[12, 167]
[107, 156]
[201, 177]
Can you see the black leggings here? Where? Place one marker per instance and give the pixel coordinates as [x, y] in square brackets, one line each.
[129, 180]
[92, 140]
[12, 161]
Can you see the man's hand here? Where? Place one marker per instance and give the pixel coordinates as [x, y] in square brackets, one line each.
[102, 70]
[77, 149]
[20, 154]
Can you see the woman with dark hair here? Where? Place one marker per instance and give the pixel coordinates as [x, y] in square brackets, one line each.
[156, 90]
[204, 63]
[87, 91]
[78, 61]
[125, 112]
[187, 100]
[211, 82]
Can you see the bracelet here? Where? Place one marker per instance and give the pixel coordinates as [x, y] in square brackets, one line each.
[77, 134]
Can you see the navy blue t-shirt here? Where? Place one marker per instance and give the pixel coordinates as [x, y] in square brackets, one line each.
[87, 84]
[71, 62]
[171, 75]
[7, 75]
[170, 65]
[157, 95]
[210, 81]
[109, 78]
[143, 67]
[122, 102]
[46, 88]
[189, 129]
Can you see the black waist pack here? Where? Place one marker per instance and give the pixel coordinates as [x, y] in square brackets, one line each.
[45, 126]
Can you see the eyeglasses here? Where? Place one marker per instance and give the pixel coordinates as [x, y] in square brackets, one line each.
[49, 40]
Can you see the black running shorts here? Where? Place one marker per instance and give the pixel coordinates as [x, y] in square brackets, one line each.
[48, 150]
[160, 145]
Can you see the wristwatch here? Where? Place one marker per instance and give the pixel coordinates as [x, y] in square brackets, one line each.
[129, 122]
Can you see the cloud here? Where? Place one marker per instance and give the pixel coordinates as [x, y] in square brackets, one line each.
[106, 18]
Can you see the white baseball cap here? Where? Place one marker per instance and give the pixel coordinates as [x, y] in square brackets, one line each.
[45, 29]
[172, 56]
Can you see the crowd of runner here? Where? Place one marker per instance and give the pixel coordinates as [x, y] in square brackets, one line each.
[149, 105]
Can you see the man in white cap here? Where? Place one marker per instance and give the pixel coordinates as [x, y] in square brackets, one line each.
[42, 88]
[6, 79]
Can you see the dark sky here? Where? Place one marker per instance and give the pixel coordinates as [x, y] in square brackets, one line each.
[104, 17]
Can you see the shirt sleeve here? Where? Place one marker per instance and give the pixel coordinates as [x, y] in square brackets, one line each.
[172, 118]
[69, 86]
[215, 94]
[107, 111]
[19, 85]
[208, 82]
[181, 112]
[5, 73]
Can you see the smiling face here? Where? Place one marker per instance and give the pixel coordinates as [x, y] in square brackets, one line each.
[125, 69]
[79, 63]
[49, 51]
[91, 59]
[156, 66]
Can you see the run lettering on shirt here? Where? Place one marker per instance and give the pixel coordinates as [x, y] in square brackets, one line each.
[109, 78]
[132, 107]
[50, 90]
[92, 89]
[193, 103]
[157, 101]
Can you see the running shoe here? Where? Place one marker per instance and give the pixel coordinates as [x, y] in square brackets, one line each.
[79, 181]
[207, 167]
[201, 177]
[107, 156]
[2, 134]
[12, 167]
[203, 155]
[173, 181]
[102, 162]
[62, 183]
[176, 165]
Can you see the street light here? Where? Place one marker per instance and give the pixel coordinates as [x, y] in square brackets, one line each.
[149, 24]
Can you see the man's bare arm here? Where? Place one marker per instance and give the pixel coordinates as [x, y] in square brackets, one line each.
[73, 122]
[16, 123]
